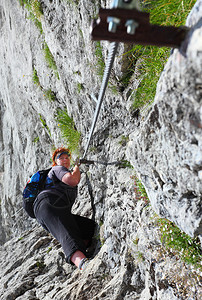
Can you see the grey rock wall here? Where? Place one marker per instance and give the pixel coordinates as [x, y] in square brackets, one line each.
[131, 264]
[167, 148]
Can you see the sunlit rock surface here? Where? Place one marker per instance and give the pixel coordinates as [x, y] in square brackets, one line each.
[164, 147]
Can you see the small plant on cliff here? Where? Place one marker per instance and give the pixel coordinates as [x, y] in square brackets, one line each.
[125, 164]
[80, 87]
[36, 22]
[35, 12]
[68, 131]
[36, 8]
[36, 140]
[33, 6]
[50, 95]
[50, 59]
[35, 78]
[179, 243]
[40, 265]
[100, 59]
[124, 140]
[139, 189]
[43, 121]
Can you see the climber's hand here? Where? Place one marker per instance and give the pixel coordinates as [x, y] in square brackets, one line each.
[77, 162]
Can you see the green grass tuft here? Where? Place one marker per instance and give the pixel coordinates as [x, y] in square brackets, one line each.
[139, 189]
[68, 131]
[149, 61]
[80, 87]
[100, 59]
[44, 125]
[36, 8]
[187, 248]
[50, 95]
[177, 242]
[50, 59]
[36, 22]
[33, 6]
[35, 78]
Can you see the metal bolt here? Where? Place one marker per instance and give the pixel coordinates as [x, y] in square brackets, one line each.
[131, 26]
[113, 23]
[128, 4]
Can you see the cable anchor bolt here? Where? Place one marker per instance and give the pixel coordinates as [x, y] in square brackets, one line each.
[131, 26]
[113, 23]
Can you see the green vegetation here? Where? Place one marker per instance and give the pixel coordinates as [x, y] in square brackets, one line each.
[36, 78]
[23, 2]
[125, 164]
[113, 88]
[172, 238]
[43, 121]
[139, 189]
[68, 131]
[50, 95]
[33, 6]
[149, 61]
[36, 8]
[139, 257]
[80, 87]
[50, 59]
[178, 242]
[100, 59]
[135, 242]
[124, 140]
[36, 140]
[40, 264]
[36, 22]
[35, 13]
[49, 249]
[165, 12]
[150, 65]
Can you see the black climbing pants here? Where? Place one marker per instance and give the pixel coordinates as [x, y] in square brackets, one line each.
[54, 215]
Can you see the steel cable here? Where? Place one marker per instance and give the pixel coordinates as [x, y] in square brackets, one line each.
[108, 67]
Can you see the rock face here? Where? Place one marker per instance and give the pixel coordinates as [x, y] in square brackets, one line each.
[165, 149]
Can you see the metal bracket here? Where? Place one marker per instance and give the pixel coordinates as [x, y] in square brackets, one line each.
[114, 21]
[139, 30]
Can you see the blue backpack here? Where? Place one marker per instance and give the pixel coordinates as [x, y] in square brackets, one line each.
[33, 187]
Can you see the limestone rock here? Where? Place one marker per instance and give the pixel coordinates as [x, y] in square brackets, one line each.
[165, 150]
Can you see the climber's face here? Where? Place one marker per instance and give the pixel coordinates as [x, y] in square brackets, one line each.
[63, 160]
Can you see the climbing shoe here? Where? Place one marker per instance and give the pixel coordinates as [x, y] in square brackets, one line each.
[83, 263]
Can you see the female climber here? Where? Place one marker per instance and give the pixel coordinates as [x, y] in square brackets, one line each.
[53, 205]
